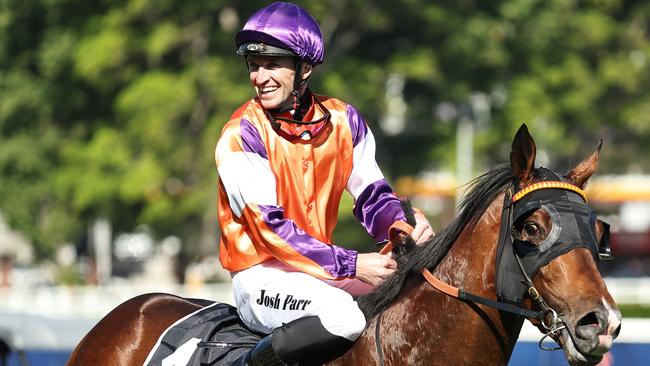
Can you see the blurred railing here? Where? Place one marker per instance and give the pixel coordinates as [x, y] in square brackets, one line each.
[95, 302]
[629, 290]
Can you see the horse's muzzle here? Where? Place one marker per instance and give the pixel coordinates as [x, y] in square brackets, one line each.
[591, 336]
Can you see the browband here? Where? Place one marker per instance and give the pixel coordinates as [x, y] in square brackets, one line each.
[548, 184]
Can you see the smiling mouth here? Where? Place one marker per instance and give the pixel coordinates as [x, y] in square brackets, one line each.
[267, 90]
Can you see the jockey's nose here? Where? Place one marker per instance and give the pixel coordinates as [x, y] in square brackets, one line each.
[261, 75]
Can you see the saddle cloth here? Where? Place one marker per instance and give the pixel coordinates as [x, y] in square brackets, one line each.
[213, 335]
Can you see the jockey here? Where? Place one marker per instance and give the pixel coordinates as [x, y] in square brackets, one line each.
[284, 160]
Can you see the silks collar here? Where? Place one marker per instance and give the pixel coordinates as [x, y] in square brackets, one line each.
[285, 120]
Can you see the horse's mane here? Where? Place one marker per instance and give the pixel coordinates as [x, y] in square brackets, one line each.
[482, 191]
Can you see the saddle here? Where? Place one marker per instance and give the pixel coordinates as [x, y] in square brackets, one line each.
[213, 335]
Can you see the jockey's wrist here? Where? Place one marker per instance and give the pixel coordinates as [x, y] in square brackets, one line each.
[351, 263]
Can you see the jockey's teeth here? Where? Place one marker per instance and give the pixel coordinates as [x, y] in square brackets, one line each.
[269, 90]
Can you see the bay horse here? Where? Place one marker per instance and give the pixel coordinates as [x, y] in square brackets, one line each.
[524, 246]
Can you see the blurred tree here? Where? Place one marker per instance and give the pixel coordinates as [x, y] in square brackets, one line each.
[112, 108]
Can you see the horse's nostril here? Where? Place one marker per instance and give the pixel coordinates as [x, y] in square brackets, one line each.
[589, 319]
[589, 326]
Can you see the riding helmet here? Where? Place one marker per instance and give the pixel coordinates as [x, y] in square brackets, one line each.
[282, 29]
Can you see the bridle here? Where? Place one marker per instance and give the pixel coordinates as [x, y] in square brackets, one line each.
[546, 317]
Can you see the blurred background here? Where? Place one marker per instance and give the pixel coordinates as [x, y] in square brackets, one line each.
[110, 111]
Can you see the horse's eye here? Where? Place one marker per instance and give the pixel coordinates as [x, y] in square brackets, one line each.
[531, 229]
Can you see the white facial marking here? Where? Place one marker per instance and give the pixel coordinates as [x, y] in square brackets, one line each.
[613, 318]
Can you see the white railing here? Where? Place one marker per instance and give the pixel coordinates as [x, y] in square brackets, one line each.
[58, 317]
[95, 302]
[629, 290]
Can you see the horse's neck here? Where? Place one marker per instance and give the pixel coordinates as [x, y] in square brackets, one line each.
[471, 266]
[446, 329]
[470, 262]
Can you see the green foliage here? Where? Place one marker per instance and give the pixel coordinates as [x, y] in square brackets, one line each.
[98, 55]
[635, 310]
[92, 172]
[69, 276]
[163, 38]
[112, 108]
[348, 232]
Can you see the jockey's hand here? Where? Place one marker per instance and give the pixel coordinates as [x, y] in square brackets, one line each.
[422, 232]
[373, 268]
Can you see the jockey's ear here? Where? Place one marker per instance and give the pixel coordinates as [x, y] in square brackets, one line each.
[306, 70]
[522, 155]
[581, 173]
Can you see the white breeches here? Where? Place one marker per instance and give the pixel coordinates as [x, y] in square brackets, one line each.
[270, 295]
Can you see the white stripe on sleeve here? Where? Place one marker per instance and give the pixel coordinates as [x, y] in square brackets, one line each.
[247, 178]
[365, 170]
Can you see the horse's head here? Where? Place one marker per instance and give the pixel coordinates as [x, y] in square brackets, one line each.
[558, 241]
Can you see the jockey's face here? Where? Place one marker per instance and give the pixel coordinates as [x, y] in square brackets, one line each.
[272, 77]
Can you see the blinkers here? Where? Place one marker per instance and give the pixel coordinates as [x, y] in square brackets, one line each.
[573, 226]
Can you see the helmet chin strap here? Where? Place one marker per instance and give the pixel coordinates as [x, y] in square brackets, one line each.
[298, 83]
[307, 99]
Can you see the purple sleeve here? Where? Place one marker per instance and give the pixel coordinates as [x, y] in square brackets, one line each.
[337, 261]
[251, 140]
[358, 127]
[377, 208]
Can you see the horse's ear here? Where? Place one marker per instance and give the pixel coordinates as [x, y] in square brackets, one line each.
[581, 173]
[522, 155]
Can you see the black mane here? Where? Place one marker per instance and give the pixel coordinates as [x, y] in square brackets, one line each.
[482, 191]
